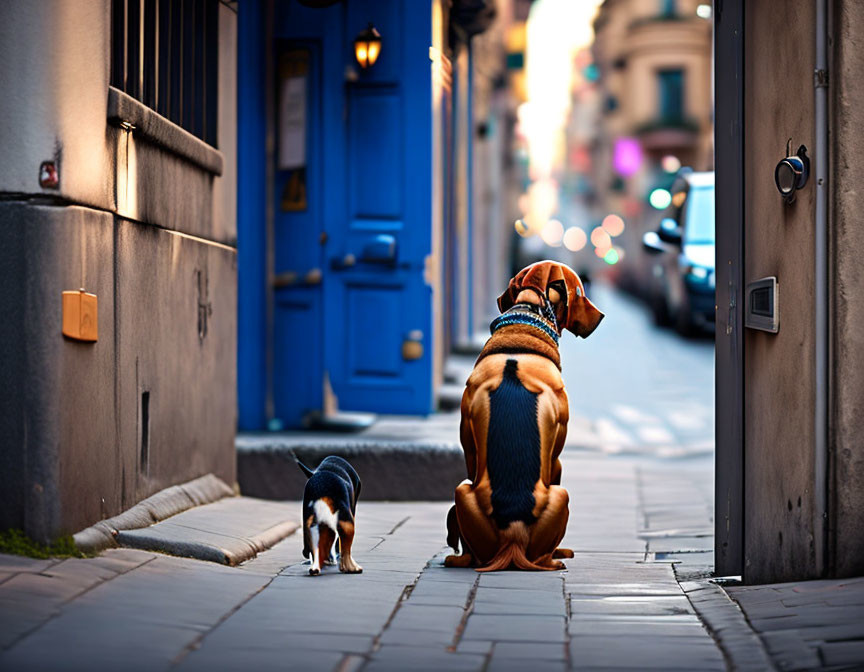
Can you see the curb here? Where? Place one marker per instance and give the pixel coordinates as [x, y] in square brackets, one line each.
[396, 471]
[741, 646]
[242, 550]
[158, 507]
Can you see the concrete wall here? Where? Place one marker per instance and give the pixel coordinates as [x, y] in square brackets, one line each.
[778, 240]
[146, 228]
[846, 523]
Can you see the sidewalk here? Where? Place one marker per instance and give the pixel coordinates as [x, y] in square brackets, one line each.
[618, 605]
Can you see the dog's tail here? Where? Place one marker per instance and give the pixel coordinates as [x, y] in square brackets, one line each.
[306, 470]
[511, 551]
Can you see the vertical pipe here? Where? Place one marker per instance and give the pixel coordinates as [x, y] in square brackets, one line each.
[820, 488]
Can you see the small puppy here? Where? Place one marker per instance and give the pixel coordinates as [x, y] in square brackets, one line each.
[329, 505]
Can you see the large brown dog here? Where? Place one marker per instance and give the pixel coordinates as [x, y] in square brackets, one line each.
[511, 511]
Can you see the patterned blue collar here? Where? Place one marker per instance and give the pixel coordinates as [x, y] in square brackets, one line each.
[527, 314]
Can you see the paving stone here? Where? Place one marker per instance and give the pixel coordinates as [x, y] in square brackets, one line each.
[18, 563]
[167, 604]
[402, 658]
[475, 646]
[644, 606]
[654, 627]
[548, 581]
[610, 589]
[442, 639]
[645, 653]
[442, 593]
[263, 660]
[519, 665]
[504, 628]
[843, 653]
[427, 617]
[530, 651]
[528, 596]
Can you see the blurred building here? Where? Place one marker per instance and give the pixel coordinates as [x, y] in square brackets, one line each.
[653, 69]
[117, 255]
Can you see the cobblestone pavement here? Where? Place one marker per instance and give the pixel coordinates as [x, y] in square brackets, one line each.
[616, 606]
[810, 624]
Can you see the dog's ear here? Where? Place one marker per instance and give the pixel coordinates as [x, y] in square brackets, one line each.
[583, 315]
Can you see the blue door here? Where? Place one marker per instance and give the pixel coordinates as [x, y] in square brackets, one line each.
[378, 303]
[348, 216]
[297, 237]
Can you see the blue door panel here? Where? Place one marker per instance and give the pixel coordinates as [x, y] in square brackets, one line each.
[298, 357]
[375, 153]
[367, 367]
[374, 316]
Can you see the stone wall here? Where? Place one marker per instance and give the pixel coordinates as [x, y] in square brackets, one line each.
[146, 221]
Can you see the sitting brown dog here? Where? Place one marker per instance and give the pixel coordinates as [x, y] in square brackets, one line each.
[511, 511]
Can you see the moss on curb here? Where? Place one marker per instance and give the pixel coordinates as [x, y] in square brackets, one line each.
[15, 542]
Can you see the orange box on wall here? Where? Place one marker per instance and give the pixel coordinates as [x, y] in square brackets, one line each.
[80, 316]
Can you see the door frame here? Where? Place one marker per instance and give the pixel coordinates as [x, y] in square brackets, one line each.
[729, 339]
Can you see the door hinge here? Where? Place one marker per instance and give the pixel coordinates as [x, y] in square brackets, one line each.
[820, 79]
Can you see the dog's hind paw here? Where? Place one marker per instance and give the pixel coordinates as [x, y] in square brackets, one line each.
[562, 553]
[464, 560]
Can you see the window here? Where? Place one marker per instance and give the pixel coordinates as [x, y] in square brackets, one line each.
[667, 7]
[671, 98]
[165, 53]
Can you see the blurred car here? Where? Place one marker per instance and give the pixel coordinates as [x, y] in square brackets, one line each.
[683, 274]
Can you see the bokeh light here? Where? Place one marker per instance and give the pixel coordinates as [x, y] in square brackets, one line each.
[601, 251]
[613, 225]
[600, 239]
[703, 11]
[679, 198]
[670, 163]
[660, 199]
[522, 228]
[627, 156]
[611, 257]
[552, 233]
[575, 239]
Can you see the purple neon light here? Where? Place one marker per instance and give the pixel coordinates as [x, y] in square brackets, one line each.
[627, 157]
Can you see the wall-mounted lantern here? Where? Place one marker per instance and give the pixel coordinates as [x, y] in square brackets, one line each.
[367, 46]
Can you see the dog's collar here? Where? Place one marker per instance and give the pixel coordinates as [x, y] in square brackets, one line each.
[527, 314]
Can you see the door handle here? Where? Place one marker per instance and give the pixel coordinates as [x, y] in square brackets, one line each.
[380, 250]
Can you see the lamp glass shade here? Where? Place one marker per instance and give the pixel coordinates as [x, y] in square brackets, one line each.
[367, 46]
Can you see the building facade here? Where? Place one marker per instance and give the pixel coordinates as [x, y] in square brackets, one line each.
[117, 249]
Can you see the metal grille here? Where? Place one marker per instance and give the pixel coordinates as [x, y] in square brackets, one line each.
[165, 53]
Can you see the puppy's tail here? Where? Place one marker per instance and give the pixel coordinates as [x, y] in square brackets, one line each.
[511, 551]
[306, 470]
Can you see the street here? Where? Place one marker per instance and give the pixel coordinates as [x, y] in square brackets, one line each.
[637, 505]
[643, 389]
